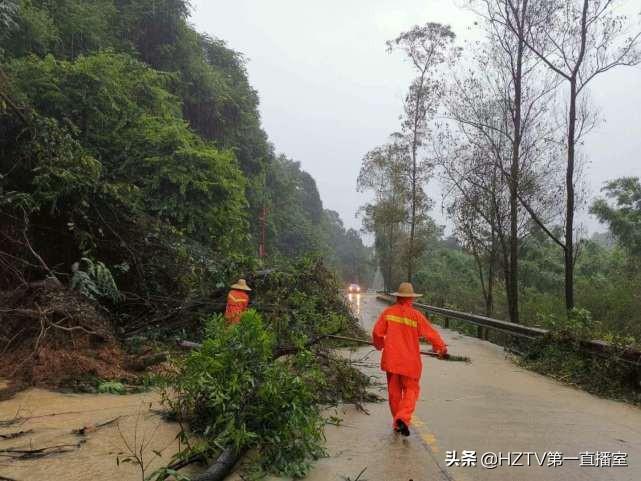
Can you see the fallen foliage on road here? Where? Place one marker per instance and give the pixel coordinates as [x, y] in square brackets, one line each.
[259, 386]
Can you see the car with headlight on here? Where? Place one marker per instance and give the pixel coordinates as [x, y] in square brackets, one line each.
[354, 289]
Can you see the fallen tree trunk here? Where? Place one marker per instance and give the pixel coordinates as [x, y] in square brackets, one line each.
[220, 468]
[281, 351]
[189, 345]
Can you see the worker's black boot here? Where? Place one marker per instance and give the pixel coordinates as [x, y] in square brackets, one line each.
[402, 428]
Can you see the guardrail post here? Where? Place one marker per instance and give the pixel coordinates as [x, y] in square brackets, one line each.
[481, 332]
[446, 322]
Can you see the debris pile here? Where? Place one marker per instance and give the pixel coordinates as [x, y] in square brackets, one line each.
[51, 336]
[260, 385]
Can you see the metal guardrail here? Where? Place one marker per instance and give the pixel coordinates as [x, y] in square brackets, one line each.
[519, 330]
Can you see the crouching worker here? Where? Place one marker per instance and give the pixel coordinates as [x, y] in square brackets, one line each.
[397, 332]
[237, 301]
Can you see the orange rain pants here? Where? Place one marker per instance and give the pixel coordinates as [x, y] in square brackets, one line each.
[397, 332]
[402, 394]
[237, 302]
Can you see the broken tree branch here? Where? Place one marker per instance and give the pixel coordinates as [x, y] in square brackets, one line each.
[25, 235]
[15, 435]
[94, 427]
[16, 453]
[446, 357]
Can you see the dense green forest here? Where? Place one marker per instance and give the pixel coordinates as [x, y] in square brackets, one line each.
[130, 139]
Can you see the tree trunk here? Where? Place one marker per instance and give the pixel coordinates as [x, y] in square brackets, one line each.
[569, 174]
[513, 281]
[221, 467]
[390, 259]
[410, 254]
[415, 141]
[506, 274]
[489, 301]
[569, 213]
[514, 185]
[502, 255]
[479, 265]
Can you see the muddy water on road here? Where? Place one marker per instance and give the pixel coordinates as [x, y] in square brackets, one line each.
[366, 441]
[493, 405]
[490, 405]
[361, 441]
[51, 416]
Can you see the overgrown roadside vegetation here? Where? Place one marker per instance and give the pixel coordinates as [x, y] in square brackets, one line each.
[136, 182]
[134, 174]
[562, 354]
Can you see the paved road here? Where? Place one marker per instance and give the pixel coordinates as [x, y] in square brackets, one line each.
[490, 405]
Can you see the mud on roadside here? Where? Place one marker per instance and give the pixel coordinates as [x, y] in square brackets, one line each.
[37, 419]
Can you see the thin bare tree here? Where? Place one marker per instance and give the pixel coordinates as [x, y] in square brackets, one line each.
[427, 47]
[476, 200]
[501, 105]
[578, 40]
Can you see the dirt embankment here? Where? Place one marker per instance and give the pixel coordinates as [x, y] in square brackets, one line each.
[53, 337]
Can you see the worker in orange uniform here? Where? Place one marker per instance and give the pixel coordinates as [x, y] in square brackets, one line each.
[237, 301]
[397, 332]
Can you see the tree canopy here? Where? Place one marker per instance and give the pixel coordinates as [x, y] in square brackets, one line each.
[624, 217]
[138, 140]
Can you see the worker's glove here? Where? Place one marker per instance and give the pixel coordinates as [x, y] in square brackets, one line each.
[442, 353]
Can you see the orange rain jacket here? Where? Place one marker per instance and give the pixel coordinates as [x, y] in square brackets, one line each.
[397, 332]
[237, 302]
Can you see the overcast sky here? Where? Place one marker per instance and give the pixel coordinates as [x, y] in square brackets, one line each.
[330, 92]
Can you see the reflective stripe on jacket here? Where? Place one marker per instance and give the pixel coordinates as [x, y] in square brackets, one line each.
[237, 302]
[397, 332]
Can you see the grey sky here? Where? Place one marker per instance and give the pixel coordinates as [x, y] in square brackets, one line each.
[330, 92]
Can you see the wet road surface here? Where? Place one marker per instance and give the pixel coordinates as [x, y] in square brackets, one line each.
[490, 405]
